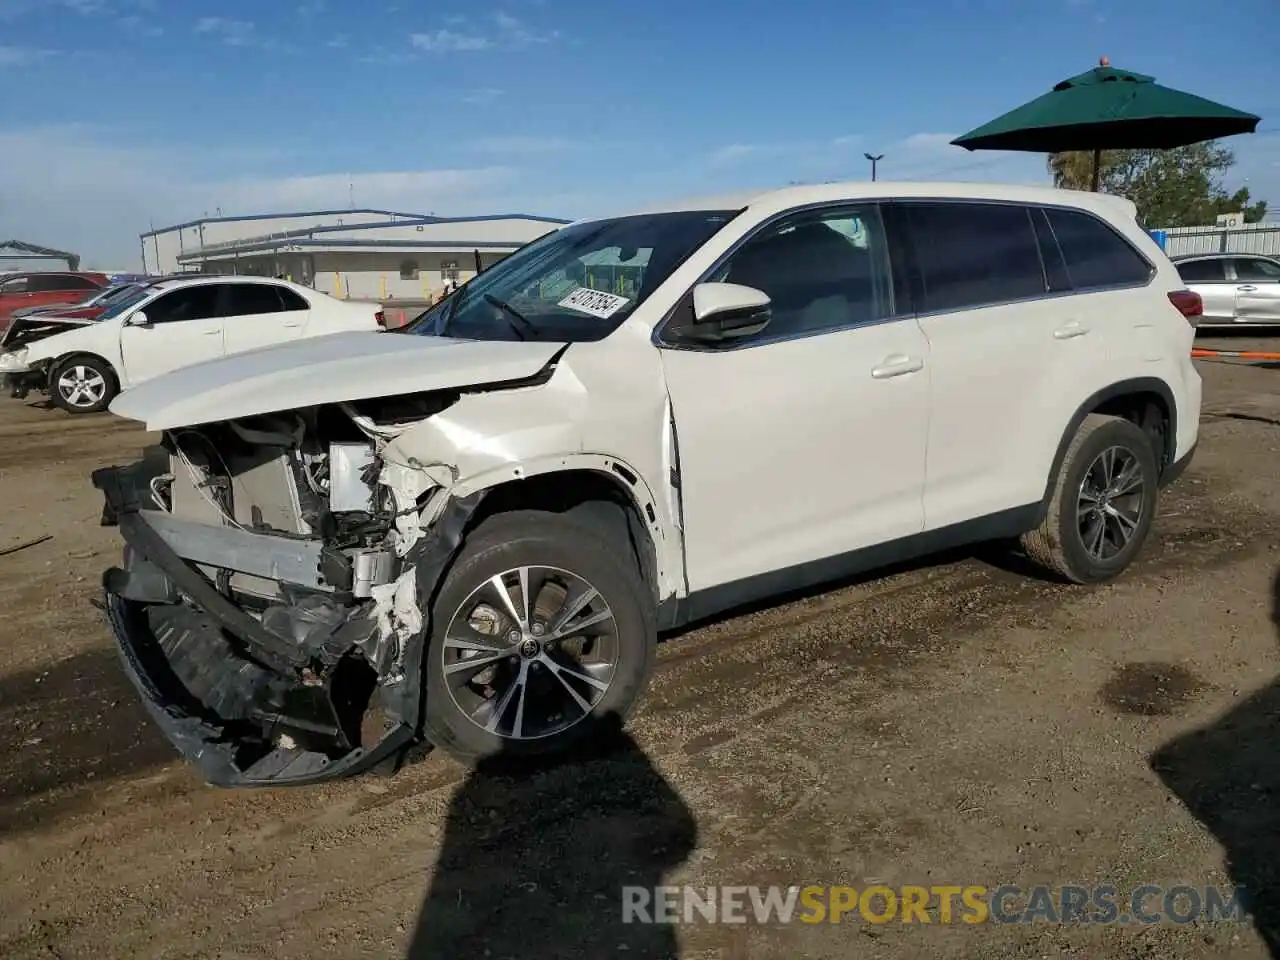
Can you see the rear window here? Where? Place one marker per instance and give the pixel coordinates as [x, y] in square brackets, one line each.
[1096, 255]
[974, 253]
[1202, 271]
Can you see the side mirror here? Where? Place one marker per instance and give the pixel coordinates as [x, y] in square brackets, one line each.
[726, 311]
[139, 319]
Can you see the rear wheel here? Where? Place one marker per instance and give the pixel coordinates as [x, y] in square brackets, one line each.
[1103, 503]
[83, 384]
[542, 634]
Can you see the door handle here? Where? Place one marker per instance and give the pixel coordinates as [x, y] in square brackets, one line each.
[292, 325]
[213, 333]
[897, 366]
[1069, 330]
[1247, 288]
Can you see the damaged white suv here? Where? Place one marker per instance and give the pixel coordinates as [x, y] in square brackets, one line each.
[472, 532]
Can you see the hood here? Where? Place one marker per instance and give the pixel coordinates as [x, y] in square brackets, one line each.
[336, 368]
[32, 327]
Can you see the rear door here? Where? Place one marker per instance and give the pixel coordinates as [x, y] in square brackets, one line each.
[183, 326]
[1208, 277]
[1006, 358]
[259, 315]
[1257, 290]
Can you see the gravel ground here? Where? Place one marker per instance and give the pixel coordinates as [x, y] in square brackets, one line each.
[961, 721]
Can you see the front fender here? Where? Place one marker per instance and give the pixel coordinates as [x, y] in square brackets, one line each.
[487, 439]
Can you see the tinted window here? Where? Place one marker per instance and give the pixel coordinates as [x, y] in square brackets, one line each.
[246, 298]
[1254, 270]
[1096, 255]
[59, 281]
[291, 300]
[188, 303]
[1201, 271]
[16, 285]
[822, 270]
[969, 254]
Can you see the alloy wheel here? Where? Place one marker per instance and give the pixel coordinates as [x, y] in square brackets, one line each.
[530, 652]
[1111, 502]
[81, 386]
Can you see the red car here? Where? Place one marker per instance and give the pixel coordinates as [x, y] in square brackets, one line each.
[18, 290]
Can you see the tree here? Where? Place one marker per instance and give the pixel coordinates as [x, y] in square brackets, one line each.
[1171, 188]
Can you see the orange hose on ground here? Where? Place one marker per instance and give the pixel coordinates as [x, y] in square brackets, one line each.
[1235, 355]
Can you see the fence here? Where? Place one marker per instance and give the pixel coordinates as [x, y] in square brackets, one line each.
[1260, 238]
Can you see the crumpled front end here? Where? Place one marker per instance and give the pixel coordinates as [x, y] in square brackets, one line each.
[271, 605]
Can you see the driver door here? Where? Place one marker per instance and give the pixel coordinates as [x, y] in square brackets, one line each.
[182, 327]
[806, 441]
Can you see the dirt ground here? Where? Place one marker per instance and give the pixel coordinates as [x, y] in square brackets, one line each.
[957, 722]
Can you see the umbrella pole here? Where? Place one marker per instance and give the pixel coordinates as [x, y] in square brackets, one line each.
[1097, 170]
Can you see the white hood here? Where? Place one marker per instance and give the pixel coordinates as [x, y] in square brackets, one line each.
[329, 369]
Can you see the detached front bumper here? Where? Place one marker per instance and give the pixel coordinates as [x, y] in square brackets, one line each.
[19, 383]
[246, 705]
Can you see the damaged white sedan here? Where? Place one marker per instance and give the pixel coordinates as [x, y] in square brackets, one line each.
[470, 531]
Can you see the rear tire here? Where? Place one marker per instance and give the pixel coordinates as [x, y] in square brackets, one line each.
[541, 687]
[83, 384]
[1103, 503]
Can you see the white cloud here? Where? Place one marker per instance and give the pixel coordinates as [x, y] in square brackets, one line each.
[481, 97]
[524, 145]
[235, 33]
[69, 188]
[446, 41]
[339, 42]
[507, 32]
[139, 27]
[22, 56]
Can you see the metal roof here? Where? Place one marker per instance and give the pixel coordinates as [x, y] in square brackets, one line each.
[406, 218]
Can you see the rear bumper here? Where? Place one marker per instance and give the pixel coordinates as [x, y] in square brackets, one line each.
[1178, 467]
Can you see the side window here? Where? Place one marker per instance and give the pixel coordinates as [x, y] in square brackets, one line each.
[16, 285]
[1255, 270]
[822, 270]
[971, 254]
[1096, 255]
[1202, 271]
[78, 283]
[244, 299]
[290, 301]
[188, 303]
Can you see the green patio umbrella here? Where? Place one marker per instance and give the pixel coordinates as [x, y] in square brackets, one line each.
[1108, 109]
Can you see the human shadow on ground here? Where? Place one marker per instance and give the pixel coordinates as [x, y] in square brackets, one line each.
[535, 858]
[1228, 776]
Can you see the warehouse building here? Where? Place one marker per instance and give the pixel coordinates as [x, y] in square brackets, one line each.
[359, 254]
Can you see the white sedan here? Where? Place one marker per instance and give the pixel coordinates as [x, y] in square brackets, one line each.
[171, 324]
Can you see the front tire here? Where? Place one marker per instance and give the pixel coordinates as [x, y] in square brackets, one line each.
[543, 633]
[1103, 503]
[83, 385]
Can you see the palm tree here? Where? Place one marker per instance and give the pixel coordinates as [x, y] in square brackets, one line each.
[1073, 170]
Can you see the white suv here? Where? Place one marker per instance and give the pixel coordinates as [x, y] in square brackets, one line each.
[161, 326]
[473, 532]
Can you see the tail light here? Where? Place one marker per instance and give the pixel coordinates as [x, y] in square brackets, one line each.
[381, 317]
[1189, 304]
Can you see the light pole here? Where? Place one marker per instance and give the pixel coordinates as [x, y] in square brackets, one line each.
[874, 160]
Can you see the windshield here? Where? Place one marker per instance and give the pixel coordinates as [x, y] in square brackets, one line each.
[577, 283]
[125, 301]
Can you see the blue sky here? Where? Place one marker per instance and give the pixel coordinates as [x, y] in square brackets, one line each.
[119, 114]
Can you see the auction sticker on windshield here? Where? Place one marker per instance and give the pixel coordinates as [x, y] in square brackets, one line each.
[595, 302]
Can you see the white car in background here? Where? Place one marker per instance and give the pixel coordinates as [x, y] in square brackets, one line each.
[170, 324]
